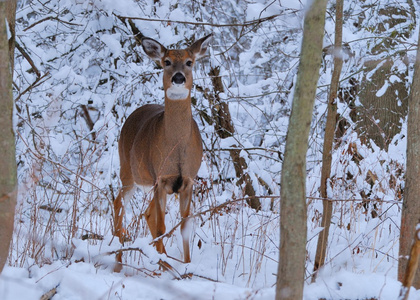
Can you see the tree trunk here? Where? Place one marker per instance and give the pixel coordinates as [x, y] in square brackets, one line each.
[291, 270]
[412, 266]
[380, 116]
[8, 176]
[411, 203]
[328, 141]
[11, 19]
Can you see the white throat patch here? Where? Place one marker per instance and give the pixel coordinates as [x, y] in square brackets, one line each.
[177, 92]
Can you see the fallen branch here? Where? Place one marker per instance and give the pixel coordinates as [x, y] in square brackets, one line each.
[48, 295]
[51, 209]
[125, 250]
[162, 264]
[92, 236]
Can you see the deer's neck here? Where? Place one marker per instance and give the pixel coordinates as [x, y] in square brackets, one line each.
[178, 120]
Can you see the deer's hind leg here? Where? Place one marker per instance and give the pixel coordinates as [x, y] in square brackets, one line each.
[124, 195]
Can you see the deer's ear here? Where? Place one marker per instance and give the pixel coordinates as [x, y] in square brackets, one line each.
[153, 48]
[199, 47]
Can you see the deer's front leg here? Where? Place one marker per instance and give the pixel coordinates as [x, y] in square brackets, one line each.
[155, 216]
[184, 207]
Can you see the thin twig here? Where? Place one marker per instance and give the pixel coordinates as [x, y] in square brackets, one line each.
[88, 120]
[247, 23]
[28, 58]
[43, 158]
[37, 82]
[125, 250]
[355, 200]
[51, 18]
[215, 209]
[212, 211]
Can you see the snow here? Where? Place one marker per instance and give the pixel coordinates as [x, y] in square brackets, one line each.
[92, 60]
[112, 43]
[383, 89]
[83, 281]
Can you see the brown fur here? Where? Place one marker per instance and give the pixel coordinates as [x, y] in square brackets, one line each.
[161, 147]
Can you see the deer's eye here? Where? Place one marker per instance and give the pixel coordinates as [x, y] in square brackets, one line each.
[189, 63]
[167, 62]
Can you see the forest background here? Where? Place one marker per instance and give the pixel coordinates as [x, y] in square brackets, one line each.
[79, 72]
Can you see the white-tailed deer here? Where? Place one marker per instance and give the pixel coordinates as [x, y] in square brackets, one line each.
[160, 146]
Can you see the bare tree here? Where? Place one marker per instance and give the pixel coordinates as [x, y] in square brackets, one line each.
[328, 140]
[8, 186]
[291, 268]
[411, 203]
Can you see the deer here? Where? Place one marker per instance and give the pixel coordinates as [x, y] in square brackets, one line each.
[161, 146]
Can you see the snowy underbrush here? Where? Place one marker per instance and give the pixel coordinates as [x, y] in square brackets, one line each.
[362, 255]
[234, 249]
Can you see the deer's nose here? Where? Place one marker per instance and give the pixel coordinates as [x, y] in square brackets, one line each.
[178, 78]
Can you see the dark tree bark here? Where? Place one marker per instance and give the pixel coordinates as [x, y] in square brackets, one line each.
[390, 109]
[291, 270]
[8, 178]
[224, 128]
[328, 141]
[411, 204]
[379, 117]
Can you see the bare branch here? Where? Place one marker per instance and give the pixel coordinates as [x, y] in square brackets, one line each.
[50, 18]
[37, 82]
[28, 58]
[245, 24]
